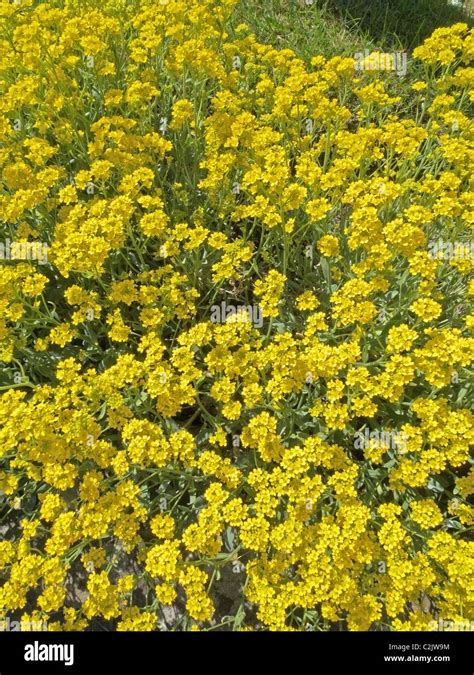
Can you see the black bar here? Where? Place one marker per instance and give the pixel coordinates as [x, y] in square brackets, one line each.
[136, 653]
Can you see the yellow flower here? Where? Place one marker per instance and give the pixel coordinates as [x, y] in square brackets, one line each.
[426, 514]
[269, 292]
[329, 245]
[426, 309]
[318, 208]
[182, 111]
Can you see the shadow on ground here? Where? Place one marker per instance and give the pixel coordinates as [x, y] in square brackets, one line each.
[401, 23]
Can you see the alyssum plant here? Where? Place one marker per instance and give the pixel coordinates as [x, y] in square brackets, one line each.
[151, 455]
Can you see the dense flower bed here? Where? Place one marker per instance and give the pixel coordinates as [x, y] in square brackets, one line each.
[236, 325]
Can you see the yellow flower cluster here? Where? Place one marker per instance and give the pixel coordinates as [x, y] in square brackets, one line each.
[312, 458]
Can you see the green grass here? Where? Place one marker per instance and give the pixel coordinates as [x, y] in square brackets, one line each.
[342, 27]
[400, 23]
[291, 24]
